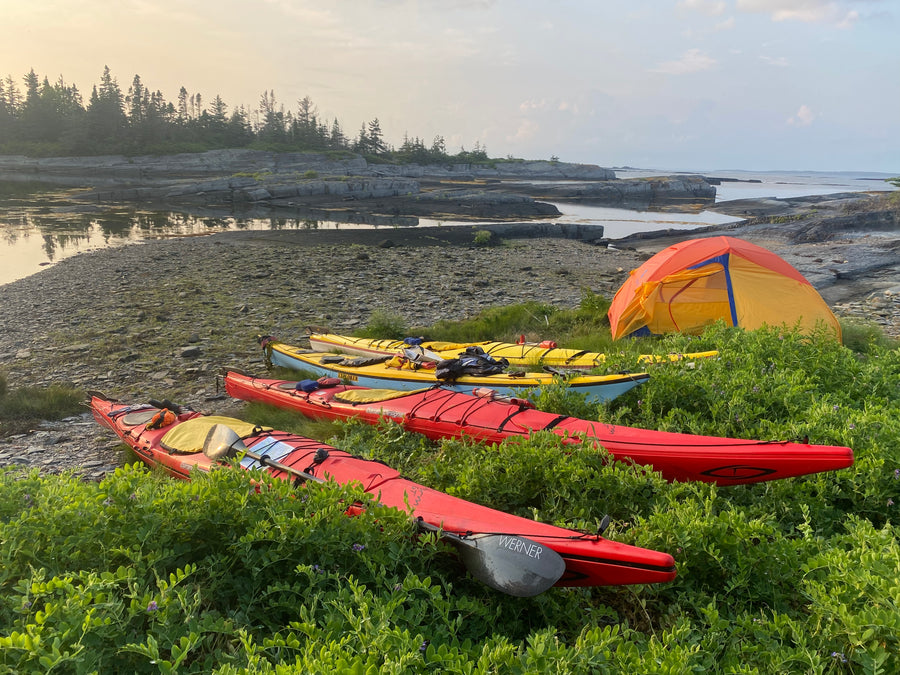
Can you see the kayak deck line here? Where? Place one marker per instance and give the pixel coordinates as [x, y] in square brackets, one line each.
[439, 412]
[388, 375]
[494, 546]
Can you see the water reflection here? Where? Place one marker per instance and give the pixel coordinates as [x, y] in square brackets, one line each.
[618, 223]
[40, 229]
[46, 228]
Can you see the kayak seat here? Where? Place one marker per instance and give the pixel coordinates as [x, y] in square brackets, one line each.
[188, 437]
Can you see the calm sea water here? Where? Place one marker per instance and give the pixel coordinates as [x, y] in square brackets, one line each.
[41, 231]
[781, 184]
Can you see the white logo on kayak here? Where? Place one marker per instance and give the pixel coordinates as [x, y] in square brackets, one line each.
[515, 544]
[386, 413]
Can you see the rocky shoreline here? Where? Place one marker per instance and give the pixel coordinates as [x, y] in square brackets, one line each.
[160, 319]
[342, 186]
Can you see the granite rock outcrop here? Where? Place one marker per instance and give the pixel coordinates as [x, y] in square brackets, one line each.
[234, 179]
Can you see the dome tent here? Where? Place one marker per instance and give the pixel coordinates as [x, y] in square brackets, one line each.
[697, 282]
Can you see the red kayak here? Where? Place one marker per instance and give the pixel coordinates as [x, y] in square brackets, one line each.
[440, 413]
[179, 445]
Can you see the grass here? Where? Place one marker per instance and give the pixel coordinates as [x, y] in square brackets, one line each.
[861, 336]
[24, 407]
[535, 320]
[584, 327]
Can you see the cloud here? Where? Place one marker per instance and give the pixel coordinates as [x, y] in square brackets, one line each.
[808, 11]
[692, 61]
[727, 24]
[533, 104]
[777, 61]
[803, 117]
[710, 7]
[848, 21]
[526, 131]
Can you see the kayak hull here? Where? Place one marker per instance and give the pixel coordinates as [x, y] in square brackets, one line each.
[380, 375]
[590, 559]
[441, 413]
[518, 355]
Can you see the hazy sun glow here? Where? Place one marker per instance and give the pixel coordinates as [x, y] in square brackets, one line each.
[704, 84]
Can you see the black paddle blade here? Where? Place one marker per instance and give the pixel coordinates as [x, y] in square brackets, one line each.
[222, 442]
[514, 565]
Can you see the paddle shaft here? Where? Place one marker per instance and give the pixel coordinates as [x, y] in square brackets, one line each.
[265, 461]
[488, 560]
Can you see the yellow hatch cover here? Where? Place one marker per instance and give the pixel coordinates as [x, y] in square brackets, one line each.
[356, 396]
[188, 437]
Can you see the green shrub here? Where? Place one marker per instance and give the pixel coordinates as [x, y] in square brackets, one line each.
[560, 399]
[384, 324]
[860, 336]
[585, 327]
[144, 574]
[484, 238]
[22, 408]
[495, 323]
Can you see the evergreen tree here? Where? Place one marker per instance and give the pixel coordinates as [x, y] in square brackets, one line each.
[5, 112]
[218, 112]
[439, 147]
[137, 105]
[53, 118]
[183, 106]
[306, 127]
[105, 115]
[214, 123]
[13, 96]
[376, 141]
[49, 112]
[337, 140]
[32, 88]
[32, 119]
[362, 141]
[239, 132]
[271, 125]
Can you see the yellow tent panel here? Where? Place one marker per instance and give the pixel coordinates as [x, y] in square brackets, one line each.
[698, 282]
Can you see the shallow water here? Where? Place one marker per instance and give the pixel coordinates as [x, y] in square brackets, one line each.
[33, 236]
[41, 230]
[618, 223]
[39, 233]
[781, 184]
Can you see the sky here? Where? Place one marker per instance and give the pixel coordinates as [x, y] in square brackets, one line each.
[660, 84]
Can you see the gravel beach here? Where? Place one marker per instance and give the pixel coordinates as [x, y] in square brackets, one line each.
[160, 319]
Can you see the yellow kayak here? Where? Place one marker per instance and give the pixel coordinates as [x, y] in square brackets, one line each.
[518, 355]
[395, 372]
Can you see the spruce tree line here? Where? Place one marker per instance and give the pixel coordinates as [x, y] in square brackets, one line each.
[44, 119]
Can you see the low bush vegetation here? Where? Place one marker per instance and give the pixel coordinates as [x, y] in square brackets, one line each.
[24, 407]
[483, 238]
[384, 324]
[585, 327]
[145, 574]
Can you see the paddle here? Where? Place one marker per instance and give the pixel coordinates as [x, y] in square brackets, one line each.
[507, 563]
